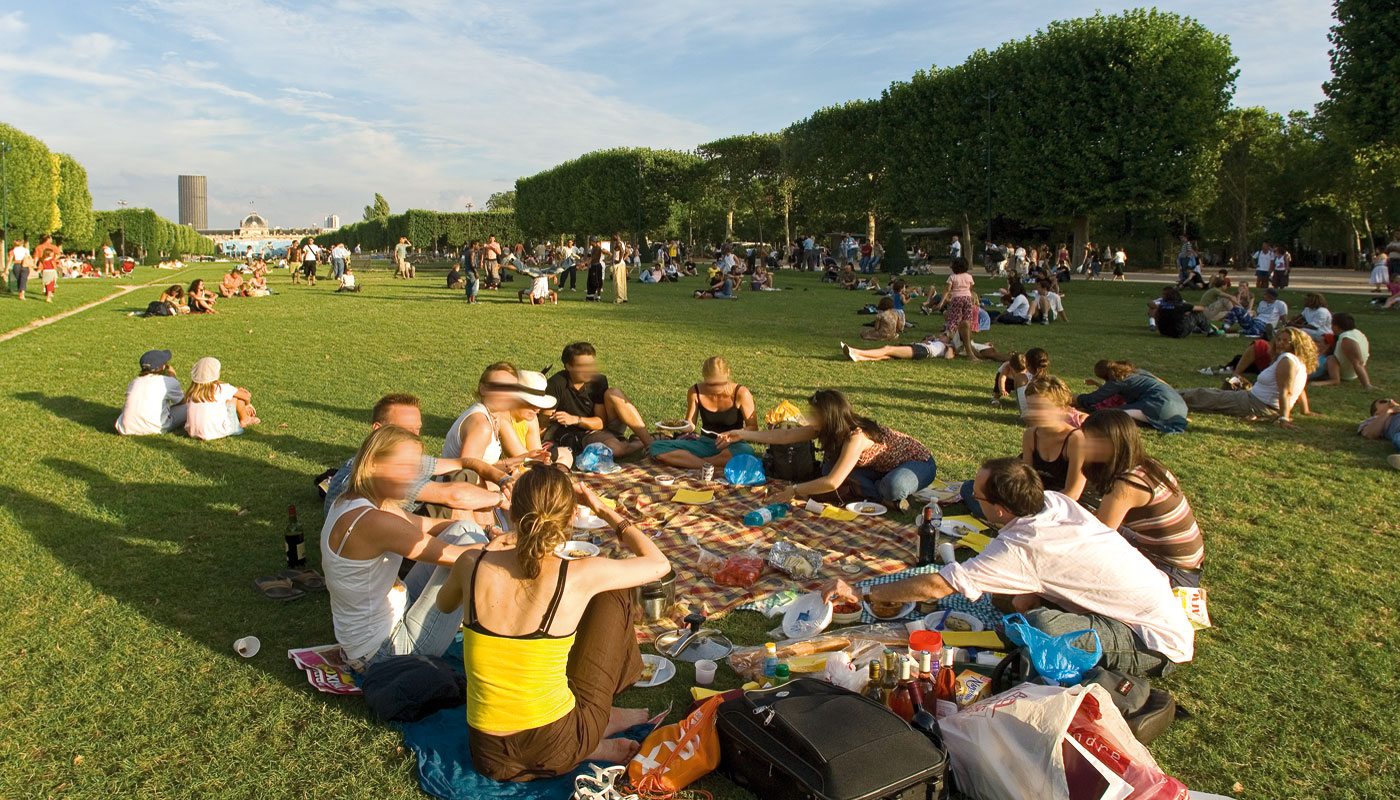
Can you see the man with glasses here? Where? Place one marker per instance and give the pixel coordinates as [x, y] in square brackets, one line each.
[1065, 570]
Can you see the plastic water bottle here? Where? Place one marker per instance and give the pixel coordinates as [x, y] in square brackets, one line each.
[765, 514]
[770, 661]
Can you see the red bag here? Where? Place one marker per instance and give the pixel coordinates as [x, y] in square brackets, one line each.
[675, 756]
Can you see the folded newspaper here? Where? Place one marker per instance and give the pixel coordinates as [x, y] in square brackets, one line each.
[325, 668]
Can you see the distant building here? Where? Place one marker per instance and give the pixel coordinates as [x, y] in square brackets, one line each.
[254, 235]
[332, 222]
[194, 205]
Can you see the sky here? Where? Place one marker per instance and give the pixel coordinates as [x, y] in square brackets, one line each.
[305, 110]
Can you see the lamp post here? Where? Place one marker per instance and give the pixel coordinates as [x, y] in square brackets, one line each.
[121, 220]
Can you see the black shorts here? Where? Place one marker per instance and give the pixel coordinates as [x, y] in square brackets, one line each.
[308, 268]
[921, 351]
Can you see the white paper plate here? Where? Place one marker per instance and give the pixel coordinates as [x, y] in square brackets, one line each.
[592, 522]
[903, 612]
[817, 611]
[937, 620]
[866, 508]
[956, 528]
[665, 671]
[686, 428]
[573, 551]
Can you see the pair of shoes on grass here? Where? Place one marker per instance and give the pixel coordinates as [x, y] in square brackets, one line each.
[289, 584]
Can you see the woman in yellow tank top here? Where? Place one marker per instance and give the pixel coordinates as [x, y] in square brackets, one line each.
[520, 427]
[548, 643]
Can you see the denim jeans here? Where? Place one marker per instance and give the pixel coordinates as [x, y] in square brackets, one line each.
[1123, 650]
[898, 483]
[973, 507]
[424, 629]
[471, 283]
[1395, 440]
[337, 268]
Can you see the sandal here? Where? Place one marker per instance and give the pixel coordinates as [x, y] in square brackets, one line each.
[307, 580]
[276, 588]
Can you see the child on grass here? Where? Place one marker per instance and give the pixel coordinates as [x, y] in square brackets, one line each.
[216, 409]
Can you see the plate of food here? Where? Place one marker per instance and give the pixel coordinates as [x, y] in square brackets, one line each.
[675, 426]
[845, 613]
[956, 528]
[865, 508]
[655, 671]
[944, 620]
[936, 494]
[666, 480]
[574, 550]
[889, 611]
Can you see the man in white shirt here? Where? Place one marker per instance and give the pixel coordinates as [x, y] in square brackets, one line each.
[1018, 311]
[1263, 265]
[1271, 309]
[153, 399]
[1051, 550]
[954, 250]
[339, 255]
[18, 255]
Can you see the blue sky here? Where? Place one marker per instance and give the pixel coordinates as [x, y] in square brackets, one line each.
[308, 109]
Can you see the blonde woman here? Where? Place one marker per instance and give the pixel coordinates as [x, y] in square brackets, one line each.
[714, 406]
[477, 432]
[548, 643]
[1052, 444]
[216, 409]
[364, 540]
[1278, 388]
[519, 427]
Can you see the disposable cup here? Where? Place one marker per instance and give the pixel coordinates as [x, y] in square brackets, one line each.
[247, 647]
[815, 507]
[705, 672]
[945, 553]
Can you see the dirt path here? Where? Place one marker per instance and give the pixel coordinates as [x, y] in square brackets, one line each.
[121, 290]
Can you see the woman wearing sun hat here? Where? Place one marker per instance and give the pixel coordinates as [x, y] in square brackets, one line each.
[520, 427]
[216, 409]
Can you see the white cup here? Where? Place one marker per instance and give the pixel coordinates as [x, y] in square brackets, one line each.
[705, 672]
[815, 507]
[247, 647]
[945, 553]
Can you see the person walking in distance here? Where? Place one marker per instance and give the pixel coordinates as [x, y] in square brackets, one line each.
[491, 252]
[401, 265]
[566, 257]
[594, 288]
[619, 268]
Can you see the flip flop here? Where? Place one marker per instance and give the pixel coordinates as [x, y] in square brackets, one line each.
[307, 580]
[276, 588]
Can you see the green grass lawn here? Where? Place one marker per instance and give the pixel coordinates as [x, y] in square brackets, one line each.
[128, 561]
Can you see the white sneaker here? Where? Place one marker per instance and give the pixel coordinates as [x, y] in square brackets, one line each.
[845, 348]
[1393, 460]
[1206, 371]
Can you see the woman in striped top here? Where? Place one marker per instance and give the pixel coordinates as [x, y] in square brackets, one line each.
[1142, 498]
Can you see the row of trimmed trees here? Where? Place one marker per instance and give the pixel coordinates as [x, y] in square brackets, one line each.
[427, 230]
[1111, 127]
[46, 192]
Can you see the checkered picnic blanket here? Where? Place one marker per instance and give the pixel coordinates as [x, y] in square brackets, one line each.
[872, 546]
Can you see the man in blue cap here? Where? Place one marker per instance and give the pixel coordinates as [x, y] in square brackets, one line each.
[154, 400]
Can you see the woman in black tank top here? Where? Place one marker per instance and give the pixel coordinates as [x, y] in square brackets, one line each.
[713, 407]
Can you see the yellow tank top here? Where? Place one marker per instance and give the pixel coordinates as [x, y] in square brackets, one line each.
[522, 429]
[516, 683]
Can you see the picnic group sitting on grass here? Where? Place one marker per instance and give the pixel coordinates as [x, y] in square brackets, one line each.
[209, 409]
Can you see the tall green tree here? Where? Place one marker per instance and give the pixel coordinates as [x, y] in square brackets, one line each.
[378, 210]
[74, 205]
[838, 164]
[1363, 97]
[501, 201]
[736, 165]
[31, 185]
[1253, 158]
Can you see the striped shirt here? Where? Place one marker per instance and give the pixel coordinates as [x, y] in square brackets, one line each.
[1165, 528]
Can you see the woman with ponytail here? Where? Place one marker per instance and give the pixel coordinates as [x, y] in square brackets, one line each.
[548, 642]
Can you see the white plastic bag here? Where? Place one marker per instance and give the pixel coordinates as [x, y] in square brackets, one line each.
[1033, 740]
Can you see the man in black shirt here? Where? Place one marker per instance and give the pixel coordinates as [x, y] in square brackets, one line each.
[588, 410]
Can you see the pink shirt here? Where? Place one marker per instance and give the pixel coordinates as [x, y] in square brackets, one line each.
[960, 285]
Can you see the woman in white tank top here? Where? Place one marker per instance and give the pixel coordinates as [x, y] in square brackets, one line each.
[364, 540]
[477, 434]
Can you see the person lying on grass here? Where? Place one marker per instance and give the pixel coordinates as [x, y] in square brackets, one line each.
[1384, 423]
[1141, 498]
[940, 345]
[1063, 568]
[714, 406]
[721, 287]
[216, 409]
[589, 411]
[448, 498]
[548, 642]
[1347, 358]
[863, 458]
[365, 538]
[1279, 387]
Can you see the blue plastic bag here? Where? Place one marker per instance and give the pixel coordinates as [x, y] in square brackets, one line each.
[744, 470]
[1054, 657]
[595, 458]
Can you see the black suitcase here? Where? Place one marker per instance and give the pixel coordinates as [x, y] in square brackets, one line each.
[809, 740]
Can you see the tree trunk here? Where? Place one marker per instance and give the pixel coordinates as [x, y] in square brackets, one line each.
[1355, 250]
[1370, 239]
[787, 230]
[1080, 226]
[729, 223]
[870, 227]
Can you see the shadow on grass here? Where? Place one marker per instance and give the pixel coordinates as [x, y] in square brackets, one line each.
[75, 409]
[360, 417]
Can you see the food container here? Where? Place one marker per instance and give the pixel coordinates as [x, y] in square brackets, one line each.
[802, 563]
[657, 597]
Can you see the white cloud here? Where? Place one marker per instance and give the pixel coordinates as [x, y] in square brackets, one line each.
[12, 26]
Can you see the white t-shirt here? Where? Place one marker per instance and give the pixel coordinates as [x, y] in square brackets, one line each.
[539, 288]
[1266, 388]
[1263, 261]
[1270, 312]
[147, 407]
[1120, 257]
[1319, 319]
[19, 254]
[1067, 556]
[310, 252]
[348, 280]
[452, 445]
[108, 251]
[212, 420]
[1020, 307]
[955, 250]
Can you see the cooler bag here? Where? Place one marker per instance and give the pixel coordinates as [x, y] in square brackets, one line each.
[792, 462]
[809, 740]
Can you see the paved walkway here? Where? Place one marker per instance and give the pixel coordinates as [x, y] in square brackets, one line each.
[1301, 279]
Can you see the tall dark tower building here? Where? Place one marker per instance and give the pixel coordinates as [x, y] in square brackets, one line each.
[194, 208]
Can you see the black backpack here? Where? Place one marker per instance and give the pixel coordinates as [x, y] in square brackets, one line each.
[795, 462]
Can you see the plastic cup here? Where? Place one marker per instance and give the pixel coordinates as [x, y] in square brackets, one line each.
[247, 647]
[815, 507]
[705, 672]
[945, 553]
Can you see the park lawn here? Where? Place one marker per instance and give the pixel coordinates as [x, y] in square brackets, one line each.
[73, 292]
[129, 561]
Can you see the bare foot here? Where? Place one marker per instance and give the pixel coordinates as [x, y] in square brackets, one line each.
[620, 719]
[615, 751]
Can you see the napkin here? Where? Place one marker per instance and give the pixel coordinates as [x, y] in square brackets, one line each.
[832, 512]
[984, 639]
[975, 541]
[693, 497]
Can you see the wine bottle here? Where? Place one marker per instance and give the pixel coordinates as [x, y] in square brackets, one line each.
[904, 700]
[928, 538]
[928, 687]
[876, 689]
[294, 540]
